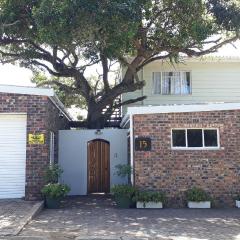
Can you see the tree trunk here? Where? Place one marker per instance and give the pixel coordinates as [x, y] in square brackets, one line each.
[95, 118]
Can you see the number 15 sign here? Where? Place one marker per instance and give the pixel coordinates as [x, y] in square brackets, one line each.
[143, 144]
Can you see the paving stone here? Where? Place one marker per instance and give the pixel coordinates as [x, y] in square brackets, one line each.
[15, 214]
[98, 216]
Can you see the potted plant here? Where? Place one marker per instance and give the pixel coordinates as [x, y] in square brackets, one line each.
[124, 195]
[150, 199]
[53, 191]
[238, 201]
[198, 198]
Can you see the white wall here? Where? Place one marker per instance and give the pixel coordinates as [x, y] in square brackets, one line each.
[211, 82]
[73, 156]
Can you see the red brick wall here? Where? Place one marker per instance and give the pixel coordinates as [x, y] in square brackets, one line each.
[42, 117]
[175, 171]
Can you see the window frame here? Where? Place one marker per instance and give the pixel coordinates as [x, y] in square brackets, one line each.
[171, 94]
[196, 148]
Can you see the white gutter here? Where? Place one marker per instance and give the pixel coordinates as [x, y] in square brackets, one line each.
[27, 90]
[203, 107]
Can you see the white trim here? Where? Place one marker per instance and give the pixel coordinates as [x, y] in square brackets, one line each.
[131, 148]
[204, 107]
[27, 90]
[203, 140]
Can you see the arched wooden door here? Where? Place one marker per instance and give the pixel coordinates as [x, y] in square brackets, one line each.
[98, 166]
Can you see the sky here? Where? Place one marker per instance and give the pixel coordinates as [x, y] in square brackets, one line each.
[14, 75]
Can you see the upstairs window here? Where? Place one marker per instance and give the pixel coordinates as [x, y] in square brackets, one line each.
[195, 138]
[171, 83]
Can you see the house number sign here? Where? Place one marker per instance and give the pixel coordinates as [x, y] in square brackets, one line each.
[36, 139]
[143, 144]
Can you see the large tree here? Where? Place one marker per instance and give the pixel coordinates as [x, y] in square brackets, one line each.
[65, 37]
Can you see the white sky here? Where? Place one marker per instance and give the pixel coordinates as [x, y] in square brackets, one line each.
[14, 75]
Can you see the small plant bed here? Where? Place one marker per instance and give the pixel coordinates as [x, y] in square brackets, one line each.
[124, 195]
[238, 202]
[54, 192]
[198, 198]
[150, 199]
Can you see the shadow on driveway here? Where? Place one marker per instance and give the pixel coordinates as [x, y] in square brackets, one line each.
[98, 216]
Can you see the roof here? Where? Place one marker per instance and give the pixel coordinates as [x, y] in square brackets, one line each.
[177, 108]
[49, 92]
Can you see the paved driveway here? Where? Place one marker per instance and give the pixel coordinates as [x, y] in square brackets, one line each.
[97, 216]
[14, 214]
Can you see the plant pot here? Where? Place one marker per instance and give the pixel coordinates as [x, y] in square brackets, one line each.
[238, 203]
[123, 202]
[205, 204]
[52, 203]
[149, 205]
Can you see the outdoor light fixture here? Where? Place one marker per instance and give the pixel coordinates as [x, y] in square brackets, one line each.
[98, 132]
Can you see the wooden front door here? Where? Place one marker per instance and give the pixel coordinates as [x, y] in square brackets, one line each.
[98, 166]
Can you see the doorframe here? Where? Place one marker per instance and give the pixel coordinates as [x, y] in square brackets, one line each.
[109, 162]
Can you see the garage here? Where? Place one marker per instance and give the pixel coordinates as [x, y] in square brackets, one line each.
[12, 155]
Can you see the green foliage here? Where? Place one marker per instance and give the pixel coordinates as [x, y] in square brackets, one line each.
[238, 197]
[123, 170]
[55, 190]
[66, 37]
[123, 191]
[197, 195]
[53, 173]
[150, 196]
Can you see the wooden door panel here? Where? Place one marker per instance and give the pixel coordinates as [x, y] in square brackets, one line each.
[98, 166]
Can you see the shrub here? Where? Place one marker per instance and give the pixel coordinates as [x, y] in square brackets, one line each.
[123, 190]
[237, 198]
[53, 173]
[55, 190]
[123, 170]
[150, 196]
[197, 195]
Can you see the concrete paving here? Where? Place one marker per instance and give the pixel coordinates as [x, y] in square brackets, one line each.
[98, 218]
[15, 214]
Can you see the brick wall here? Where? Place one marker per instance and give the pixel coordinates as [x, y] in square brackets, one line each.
[42, 117]
[175, 171]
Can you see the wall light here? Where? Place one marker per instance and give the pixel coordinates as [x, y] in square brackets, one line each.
[98, 132]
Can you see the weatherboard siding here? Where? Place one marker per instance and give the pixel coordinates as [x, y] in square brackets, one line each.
[211, 82]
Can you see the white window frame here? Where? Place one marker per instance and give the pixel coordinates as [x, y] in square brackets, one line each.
[172, 94]
[196, 148]
[51, 148]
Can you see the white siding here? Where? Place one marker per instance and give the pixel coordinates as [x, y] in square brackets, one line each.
[13, 156]
[211, 82]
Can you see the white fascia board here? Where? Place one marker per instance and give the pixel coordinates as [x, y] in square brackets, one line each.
[183, 108]
[27, 90]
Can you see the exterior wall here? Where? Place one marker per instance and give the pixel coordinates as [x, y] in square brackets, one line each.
[175, 171]
[73, 156]
[42, 116]
[215, 81]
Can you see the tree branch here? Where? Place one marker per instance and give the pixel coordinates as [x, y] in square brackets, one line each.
[105, 68]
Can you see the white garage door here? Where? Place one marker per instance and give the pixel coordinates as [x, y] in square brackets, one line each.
[12, 155]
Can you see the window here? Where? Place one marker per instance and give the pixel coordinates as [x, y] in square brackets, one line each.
[52, 148]
[195, 138]
[171, 83]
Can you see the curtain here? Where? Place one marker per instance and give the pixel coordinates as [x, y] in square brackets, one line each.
[156, 83]
[185, 82]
